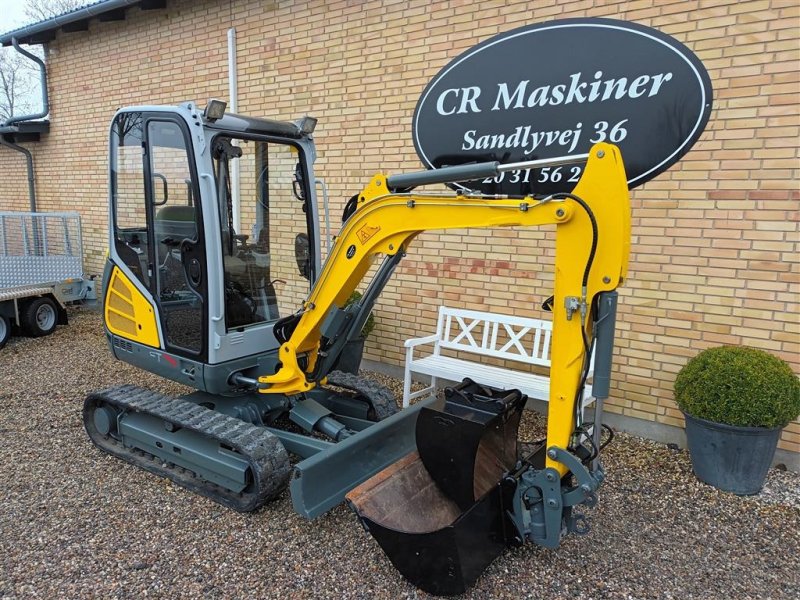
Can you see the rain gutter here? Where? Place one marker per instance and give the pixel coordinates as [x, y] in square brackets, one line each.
[80, 14]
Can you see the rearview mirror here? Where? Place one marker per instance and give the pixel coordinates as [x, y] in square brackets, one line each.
[301, 255]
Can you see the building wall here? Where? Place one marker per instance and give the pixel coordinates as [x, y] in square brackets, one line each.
[13, 180]
[715, 246]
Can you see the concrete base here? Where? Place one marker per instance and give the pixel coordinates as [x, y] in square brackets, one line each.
[659, 432]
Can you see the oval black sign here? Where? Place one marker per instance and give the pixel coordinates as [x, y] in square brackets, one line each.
[554, 89]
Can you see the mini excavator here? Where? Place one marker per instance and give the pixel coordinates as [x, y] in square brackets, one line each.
[214, 279]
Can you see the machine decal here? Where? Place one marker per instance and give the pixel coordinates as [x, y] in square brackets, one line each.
[170, 360]
[127, 312]
[512, 99]
[366, 232]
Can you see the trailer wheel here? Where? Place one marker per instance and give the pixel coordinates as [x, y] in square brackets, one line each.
[39, 317]
[5, 330]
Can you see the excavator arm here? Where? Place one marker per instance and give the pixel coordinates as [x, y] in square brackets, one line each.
[592, 247]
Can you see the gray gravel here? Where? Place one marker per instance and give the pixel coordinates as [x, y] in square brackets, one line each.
[75, 523]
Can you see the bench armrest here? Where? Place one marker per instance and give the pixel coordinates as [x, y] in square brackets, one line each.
[428, 339]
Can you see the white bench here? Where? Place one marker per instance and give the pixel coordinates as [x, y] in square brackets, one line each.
[525, 341]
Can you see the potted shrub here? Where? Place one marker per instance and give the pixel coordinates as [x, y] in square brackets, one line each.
[350, 358]
[736, 400]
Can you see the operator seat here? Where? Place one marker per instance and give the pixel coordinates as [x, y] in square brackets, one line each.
[173, 225]
[176, 222]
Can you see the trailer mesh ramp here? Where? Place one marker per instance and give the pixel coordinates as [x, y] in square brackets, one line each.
[39, 248]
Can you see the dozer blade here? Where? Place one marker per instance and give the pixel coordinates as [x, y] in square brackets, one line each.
[439, 514]
[321, 481]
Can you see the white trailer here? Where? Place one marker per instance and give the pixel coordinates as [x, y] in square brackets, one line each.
[41, 271]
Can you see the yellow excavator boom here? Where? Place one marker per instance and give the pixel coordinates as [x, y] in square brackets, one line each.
[592, 248]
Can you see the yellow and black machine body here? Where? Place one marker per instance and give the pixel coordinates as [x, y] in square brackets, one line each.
[215, 280]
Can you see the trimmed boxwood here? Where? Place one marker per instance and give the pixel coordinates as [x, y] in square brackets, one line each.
[370, 324]
[737, 385]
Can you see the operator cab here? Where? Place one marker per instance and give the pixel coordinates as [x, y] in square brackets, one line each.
[214, 223]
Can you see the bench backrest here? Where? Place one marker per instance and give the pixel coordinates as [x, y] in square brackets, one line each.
[490, 334]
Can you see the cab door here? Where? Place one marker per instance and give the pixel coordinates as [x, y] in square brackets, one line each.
[178, 279]
[157, 235]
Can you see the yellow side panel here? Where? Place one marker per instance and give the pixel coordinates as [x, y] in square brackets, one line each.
[128, 314]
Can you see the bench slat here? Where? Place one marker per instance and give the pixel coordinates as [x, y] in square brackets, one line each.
[457, 329]
[446, 367]
[523, 335]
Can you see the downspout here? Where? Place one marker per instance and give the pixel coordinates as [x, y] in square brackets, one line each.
[233, 88]
[29, 160]
[43, 80]
[11, 120]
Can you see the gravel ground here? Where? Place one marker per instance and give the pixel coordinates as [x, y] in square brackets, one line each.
[76, 523]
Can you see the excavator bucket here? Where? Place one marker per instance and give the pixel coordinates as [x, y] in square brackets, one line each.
[438, 513]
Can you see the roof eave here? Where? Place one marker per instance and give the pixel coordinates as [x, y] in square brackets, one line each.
[76, 20]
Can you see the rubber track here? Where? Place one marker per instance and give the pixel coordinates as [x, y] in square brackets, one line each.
[380, 397]
[267, 458]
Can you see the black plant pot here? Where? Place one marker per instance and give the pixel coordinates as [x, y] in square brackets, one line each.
[732, 459]
[350, 358]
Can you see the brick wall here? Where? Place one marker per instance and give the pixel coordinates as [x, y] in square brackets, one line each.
[715, 247]
[13, 180]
